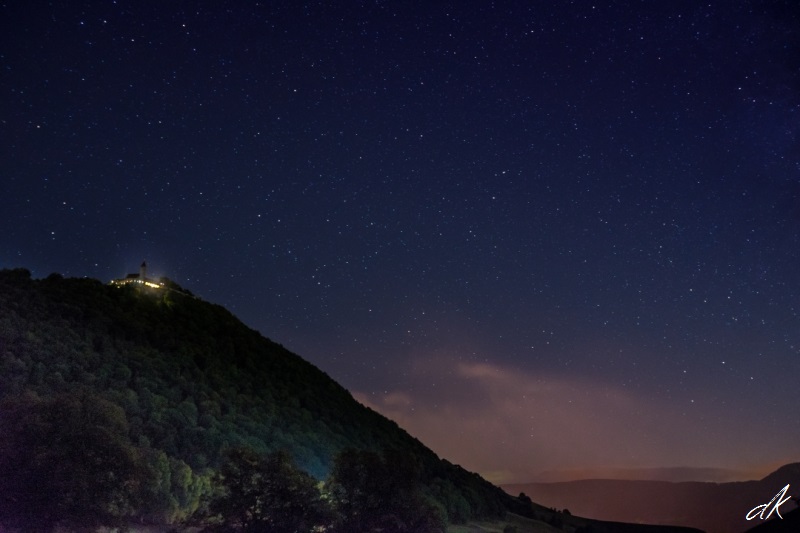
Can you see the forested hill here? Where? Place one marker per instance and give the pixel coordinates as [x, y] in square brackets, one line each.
[159, 385]
[122, 405]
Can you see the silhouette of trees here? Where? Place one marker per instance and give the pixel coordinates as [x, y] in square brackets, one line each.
[265, 493]
[67, 462]
[372, 492]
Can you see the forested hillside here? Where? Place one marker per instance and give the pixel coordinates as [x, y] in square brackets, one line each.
[122, 404]
[128, 407]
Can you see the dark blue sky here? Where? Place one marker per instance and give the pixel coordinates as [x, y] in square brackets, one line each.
[540, 235]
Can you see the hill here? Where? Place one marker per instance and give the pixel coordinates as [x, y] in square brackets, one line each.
[713, 507]
[128, 404]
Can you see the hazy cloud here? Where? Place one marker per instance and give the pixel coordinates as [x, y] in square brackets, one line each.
[485, 416]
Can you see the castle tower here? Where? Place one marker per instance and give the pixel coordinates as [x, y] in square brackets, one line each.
[143, 271]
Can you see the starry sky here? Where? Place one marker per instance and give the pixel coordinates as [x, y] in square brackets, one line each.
[542, 235]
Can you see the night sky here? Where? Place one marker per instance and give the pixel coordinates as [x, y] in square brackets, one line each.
[538, 235]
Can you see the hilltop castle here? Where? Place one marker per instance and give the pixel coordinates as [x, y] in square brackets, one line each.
[140, 278]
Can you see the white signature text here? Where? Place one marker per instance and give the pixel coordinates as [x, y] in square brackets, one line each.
[773, 506]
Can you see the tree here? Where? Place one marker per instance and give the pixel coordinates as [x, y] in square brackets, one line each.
[265, 494]
[67, 461]
[371, 492]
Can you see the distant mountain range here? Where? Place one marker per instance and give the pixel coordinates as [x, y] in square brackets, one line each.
[675, 474]
[712, 507]
[141, 403]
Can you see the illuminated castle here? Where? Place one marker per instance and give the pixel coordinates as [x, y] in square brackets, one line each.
[139, 278]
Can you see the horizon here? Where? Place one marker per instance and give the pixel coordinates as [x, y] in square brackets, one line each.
[537, 237]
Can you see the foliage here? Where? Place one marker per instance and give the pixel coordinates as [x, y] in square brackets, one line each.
[373, 492]
[67, 461]
[265, 493]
